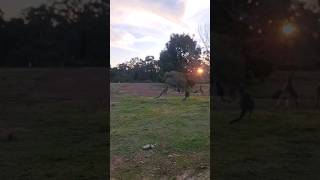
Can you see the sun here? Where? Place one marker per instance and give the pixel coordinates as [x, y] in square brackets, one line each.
[200, 70]
[288, 29]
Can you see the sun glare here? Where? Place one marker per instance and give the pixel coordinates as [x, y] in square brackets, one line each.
[200, 70]
[288, 29]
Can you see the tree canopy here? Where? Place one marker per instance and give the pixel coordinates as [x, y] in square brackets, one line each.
[181, 54]
[247, 38]
[136, 70]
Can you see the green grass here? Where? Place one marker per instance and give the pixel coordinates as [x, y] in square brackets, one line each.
[272, 145]
[275, 144]
[54, 138]
[177, 127]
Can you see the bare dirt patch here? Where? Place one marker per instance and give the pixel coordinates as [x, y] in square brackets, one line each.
[149, 89]
[116, 162]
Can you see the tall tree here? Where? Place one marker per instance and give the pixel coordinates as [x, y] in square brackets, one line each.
[181, 54]
[204, 34]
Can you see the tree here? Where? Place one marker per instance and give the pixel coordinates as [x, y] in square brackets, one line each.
[181, 54]
[204, 34]
[152, 68]
[136, 70]
[58, 33]
[245, 26]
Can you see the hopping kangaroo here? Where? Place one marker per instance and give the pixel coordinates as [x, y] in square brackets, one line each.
[220, 92]
[246, 105]
[178, 80]
[288, 92]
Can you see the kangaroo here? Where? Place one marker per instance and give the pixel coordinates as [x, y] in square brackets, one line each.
[177, 80]
[287, 93]
[220, 92]
[199, 90]
[247, 105]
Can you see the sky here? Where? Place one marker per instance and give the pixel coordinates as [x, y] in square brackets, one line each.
[139, 28]
[12, 8]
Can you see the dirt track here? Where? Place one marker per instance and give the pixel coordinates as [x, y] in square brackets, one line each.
[148, 89]
[59, 83]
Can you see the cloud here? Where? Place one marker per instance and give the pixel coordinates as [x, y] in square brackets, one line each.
[171, 10]
[194, 7]
[125, 40]
[144, 26]
[120, 38]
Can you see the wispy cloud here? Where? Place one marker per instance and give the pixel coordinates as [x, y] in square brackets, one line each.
[144, 26]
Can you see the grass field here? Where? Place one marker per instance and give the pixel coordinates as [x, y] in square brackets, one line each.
[179, 129]
[57, 119]
[277, 143]
[272, 145]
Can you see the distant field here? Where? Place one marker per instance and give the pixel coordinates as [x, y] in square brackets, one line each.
[277, 143]
[305, 83]
[58, 122]
[179, 129]
[150, 89]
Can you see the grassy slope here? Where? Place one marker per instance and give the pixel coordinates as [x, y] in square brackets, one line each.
[56, 136]
[180, 130]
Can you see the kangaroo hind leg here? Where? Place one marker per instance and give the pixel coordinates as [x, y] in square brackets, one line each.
[163, 92]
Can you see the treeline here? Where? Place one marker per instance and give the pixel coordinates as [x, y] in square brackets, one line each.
[58, 33]
[136, 70]
[181, 53]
